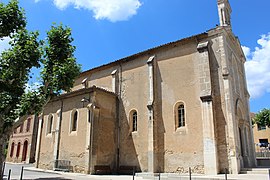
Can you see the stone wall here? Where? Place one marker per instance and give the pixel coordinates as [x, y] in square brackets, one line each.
[203, 79]
[73, 145]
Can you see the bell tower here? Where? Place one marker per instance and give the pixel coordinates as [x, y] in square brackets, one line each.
[224, 12]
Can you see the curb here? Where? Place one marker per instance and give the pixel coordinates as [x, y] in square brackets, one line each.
[41, 170]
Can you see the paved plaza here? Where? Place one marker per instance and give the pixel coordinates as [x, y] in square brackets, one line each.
[33, 173]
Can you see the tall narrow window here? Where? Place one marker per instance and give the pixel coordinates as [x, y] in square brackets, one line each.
[181, 116]
[28, 124]
[89, 116]
[21, 128]
[49, 124]
[24, 152]
[134, 121]
[12, 149]
[18, 150]
[74, 121]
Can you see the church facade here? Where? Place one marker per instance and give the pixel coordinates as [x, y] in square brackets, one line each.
[179, 105]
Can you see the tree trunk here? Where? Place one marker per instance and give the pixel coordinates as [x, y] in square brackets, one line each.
[4, 135]
[2, 156]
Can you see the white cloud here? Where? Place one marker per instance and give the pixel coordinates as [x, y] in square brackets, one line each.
[113, 10]
[246, 51]
[258, 67]
[4, 44]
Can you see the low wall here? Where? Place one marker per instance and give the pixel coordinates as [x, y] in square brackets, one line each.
[263, 161]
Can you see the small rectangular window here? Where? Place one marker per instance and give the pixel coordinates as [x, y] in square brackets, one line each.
[263, 142]
[261, 127]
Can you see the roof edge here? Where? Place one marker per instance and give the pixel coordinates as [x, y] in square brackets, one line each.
[148, 51]
[80, 92]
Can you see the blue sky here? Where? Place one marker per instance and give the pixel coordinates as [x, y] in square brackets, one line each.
[107, 30]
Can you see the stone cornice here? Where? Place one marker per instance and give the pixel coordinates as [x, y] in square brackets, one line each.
[206, 98]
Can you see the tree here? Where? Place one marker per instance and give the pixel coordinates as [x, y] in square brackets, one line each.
[11, 18]
[262, 118]
[54, 57]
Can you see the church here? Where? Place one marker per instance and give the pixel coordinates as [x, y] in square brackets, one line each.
[180, 105]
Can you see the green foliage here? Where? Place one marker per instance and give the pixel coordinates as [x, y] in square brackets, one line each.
[17, 61]
[11, 18]
[6, 150]
[262, 118]
[59, 68]
[59, 63]
[58, 72]
[55, 56]
[15, 66]
[31, 102]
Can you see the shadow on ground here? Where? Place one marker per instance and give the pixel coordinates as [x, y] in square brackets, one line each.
[49, 178]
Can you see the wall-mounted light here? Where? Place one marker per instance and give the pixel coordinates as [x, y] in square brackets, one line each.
[85, 100]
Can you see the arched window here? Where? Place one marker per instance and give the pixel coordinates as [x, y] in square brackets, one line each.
[74, 120]
[49, 124]
[236, 75]
[24, 153]
[18, 149]
[12, 149]
[28, 124]
[133, 118]
[21, 128]
[134, 121]
[180, 115]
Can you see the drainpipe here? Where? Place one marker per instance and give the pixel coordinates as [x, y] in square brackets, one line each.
[90, 140]
[119, 94]
[150, 107]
